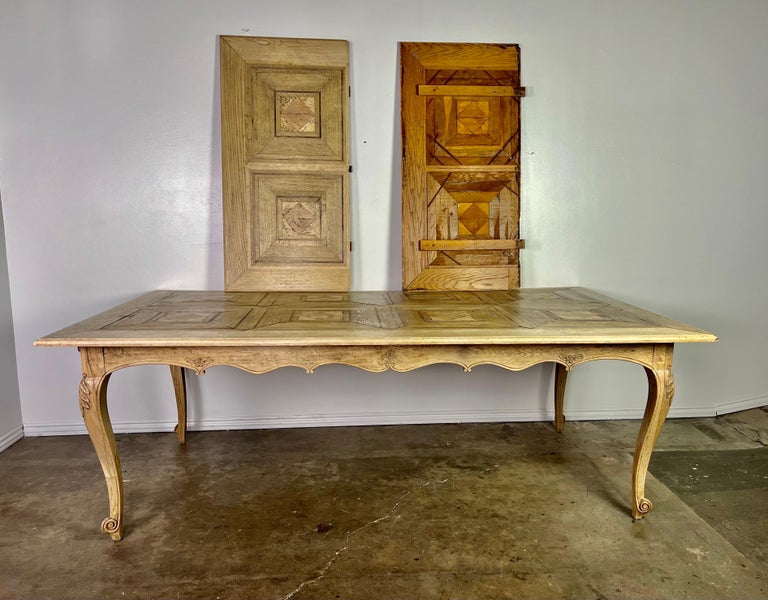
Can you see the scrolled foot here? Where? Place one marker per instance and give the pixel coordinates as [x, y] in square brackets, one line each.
[113, 528]
[643, 507]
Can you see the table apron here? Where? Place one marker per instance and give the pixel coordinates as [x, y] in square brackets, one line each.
[378, 358]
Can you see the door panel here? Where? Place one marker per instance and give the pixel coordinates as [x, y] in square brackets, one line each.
[461, 165]
[285, 163]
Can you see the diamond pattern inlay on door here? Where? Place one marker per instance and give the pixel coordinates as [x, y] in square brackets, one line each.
[285, 163]
[461, 165]
[472, 117]
[300, 218]
[297, 114]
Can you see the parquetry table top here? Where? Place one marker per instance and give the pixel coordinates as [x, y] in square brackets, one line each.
[524, 316]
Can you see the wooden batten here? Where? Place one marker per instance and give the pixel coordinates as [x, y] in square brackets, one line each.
[470, 90]
[471, 244]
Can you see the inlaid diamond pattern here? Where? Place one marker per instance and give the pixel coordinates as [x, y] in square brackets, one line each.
[300, 218]
[472, 117]
[473, 219]
[297, 112]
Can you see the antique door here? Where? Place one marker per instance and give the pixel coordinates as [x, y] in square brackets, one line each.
[460, 109]
[285, 163]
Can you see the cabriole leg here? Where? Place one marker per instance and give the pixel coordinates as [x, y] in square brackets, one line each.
[93, 406]
[180, 389]
[661, 389]
[561, 376]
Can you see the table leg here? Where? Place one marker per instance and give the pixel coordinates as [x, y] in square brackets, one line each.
[561, 376]
[93, 406]
[180, 389]
[661, 389]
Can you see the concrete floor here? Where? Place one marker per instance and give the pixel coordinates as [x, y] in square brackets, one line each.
[444, 511]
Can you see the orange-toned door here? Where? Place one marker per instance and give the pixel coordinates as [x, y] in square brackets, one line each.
[461, 165]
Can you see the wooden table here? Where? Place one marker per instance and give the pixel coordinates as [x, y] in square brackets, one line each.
[375, 331]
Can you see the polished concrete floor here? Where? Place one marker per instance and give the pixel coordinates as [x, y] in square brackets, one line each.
[445, 511]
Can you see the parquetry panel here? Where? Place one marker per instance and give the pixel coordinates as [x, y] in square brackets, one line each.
[461, 177]
[174, 318]
[419, 319]
[297, 219]
[285, 163]
[296, 113]
[409, 313]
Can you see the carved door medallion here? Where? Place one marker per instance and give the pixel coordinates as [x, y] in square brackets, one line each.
[285, 163]
[461, 165]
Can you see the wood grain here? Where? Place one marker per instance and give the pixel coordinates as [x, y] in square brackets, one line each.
[470, 244]
[470, 90]
[661, 389]
[412, 117]
[93, 406]
[180, 392]
[291, 319]
[461, 165]
[375, 331]
[294, 52]
[487, 56]
[472, 169]
[285, 163]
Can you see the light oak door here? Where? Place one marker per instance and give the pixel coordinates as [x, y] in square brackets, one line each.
[285, 163]
[461, 165]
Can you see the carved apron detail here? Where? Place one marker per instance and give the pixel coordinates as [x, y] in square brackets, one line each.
[569, 360]
[199, 365]
[85, 393]
[387, 358]
[669, 387]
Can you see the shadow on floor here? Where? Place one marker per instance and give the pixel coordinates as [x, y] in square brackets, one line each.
[727, 488]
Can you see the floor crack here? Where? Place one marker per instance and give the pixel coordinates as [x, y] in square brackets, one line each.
[351, 534]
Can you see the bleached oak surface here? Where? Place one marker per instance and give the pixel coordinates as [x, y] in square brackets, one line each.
[285, 163]
[376, 331]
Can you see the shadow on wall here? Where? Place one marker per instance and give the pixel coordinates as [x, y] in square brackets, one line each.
[394, 268]
[10, 404]
[215, 275]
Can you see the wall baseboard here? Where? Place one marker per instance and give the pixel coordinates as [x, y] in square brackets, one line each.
[360, 419]
[9, 439]
[739, 405]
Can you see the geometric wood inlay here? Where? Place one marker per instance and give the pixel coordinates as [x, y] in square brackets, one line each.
[297, 114]
[374, 331]
[461, 155]
[300, 218]
[285, 163]
[297, 220]
[472, 117]
[552, 315]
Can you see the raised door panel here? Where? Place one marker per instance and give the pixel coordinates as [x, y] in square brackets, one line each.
[285, 163]
[461, 165]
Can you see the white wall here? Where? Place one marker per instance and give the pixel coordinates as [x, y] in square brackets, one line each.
[645, 132]
[10, 407]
